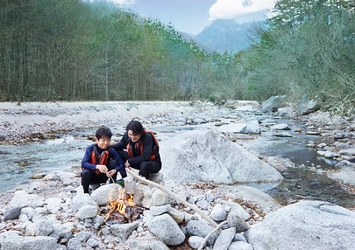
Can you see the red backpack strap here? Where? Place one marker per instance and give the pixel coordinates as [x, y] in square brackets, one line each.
[95, 156]
[104, 157]
[155, 150]
[129, 149]
[156, 143]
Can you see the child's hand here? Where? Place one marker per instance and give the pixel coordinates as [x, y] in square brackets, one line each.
[102, 168]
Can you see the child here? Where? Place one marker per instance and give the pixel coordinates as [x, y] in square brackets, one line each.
[100, 161]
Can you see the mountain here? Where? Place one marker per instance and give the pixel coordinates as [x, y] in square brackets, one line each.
[226, 35]
[223, 35]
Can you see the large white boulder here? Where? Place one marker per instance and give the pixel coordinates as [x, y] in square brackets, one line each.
[313, 225]
[207, 155]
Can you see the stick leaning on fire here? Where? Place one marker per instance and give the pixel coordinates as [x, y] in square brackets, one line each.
[176, 197]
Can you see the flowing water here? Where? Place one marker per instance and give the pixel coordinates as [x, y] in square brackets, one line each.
[22, 162]
[303, 181]
[307, 179]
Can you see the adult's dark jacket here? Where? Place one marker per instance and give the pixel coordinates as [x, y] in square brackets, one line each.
[138, 157]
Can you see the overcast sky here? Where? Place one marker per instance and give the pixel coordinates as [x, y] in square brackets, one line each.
[192, 16]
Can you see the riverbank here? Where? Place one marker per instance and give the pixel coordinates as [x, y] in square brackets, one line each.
[22, 122]
[32, 122]
[35, 122]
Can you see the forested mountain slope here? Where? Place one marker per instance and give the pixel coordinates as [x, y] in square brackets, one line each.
[75, 50]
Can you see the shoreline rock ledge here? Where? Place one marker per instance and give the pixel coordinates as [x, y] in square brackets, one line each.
[37, 217]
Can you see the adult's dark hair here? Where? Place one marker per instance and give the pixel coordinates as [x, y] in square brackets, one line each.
[103, 132]
[136, 127]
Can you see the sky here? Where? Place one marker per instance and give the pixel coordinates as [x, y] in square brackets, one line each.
[192, 16]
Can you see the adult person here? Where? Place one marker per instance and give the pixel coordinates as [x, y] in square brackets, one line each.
[139, 149]
[100, 161]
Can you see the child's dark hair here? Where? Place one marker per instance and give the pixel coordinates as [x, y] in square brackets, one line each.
[136, 127]
[103, 132]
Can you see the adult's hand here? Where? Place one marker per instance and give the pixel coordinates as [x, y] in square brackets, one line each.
[127, 165]
[111, 173]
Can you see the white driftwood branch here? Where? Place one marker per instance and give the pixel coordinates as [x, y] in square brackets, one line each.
[176, 197]
[209, 235]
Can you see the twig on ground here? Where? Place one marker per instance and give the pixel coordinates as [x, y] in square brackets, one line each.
[209, 235]
[176, 197]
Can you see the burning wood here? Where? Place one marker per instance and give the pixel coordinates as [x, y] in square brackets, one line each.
[125, 206]
[133, 213]
[110, 212]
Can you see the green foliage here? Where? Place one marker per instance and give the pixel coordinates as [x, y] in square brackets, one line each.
[75, 50]
[307, 51]
[212, 98]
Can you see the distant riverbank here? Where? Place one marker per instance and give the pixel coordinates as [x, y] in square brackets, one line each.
[21, 122]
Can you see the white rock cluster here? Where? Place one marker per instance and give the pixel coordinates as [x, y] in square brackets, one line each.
[54, 213]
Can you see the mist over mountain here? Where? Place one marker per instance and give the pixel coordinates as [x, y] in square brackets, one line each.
[226, 35]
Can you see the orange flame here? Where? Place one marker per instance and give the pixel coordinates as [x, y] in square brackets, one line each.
[130, 200]
[123, 200]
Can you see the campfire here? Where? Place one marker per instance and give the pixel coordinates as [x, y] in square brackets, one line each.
[123, 209]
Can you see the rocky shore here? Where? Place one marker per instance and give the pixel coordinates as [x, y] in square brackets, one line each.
[53, 213]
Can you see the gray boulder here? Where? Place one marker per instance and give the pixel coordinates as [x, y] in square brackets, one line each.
[306, 107]
[273, 103]
[206, 155]
[167, 230]
[106, 193]
[23, 199]
[305, 225]
[12, 213]
[344, 174]
[123, 231]
[80, 200]
[13, 241]
[224, 239]
[201, 229]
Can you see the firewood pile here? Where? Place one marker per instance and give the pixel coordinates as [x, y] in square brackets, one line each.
[122, 210]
